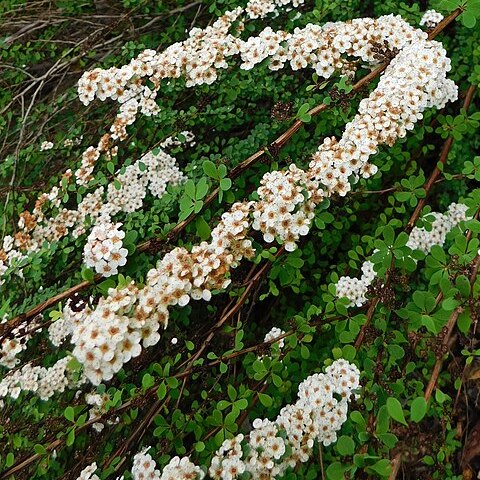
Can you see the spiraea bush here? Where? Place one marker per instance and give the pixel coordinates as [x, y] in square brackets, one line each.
[239, 240]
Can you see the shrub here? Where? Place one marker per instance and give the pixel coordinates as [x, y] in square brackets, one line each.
[222, 174]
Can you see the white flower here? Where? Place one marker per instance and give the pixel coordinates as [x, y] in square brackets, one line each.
[46, 146]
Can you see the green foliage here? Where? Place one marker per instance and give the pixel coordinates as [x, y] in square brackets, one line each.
[207, 389]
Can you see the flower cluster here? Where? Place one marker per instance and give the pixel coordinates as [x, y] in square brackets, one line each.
[261, 8]
[104, 250]
[188, 138]
[106, 338]
[44, 382]
[16, 342]
[98, 407]
[355, 289]
[431, 18]
[274, 333]
[88, 473]
[286, 206]
[46, 145]
[271, 447]
[74, 314]
[70, 142]
[423, 239]
[414, 81]
[144, 468]
[270, 338]
[197, 59]
[151, 173]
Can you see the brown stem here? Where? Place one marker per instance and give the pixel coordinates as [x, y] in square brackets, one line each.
[438, 364]
[414, 217]
[157, 406]
[234, 173]
[442, 160]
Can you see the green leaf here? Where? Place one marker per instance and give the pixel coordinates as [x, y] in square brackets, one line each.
[219, 437]
[418, 409]
[39, 449]
[81, 420]
[232, 393]
[303, 110]
[419, 299]
[468, 19]
[428, 322]
[189, 189]
[105, 285]
[202, 189]
[9, 460]
[265, 400]
[345, 446]
[222, 170]
[198, 205]
[463, 285]
[403, 196]
[357, 418]
[396, 351]
[388, 439]
[438, 253]
[449, 304]
[395, 410]
[440, 397]
[306, 118]
[70, 437]
[382, 467]
[147, 381]
[277, 380]
[223, 404]
[74, 365]
[162, 391]
[203, 229]
[185, 214]
[388, 235]
[464, 321]
[336, 470]
[241, 404]
[349, 352]
[225, 184]
[210, 169]
[88, 274]
[130, 238]
[69, 414]
[304, 352]
[383, 420]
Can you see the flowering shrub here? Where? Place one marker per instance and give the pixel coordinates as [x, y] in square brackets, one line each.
[220, 179]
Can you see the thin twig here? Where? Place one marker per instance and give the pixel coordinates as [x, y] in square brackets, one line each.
[415, 215]
[233, 174]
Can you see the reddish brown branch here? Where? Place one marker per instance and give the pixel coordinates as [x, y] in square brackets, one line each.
[415, 215]
[233, 174]
[438, 364]
[442, 160]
